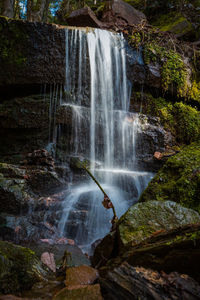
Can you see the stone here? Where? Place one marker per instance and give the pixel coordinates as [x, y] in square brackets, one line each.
[16, 190]
[40, 157]
[19, 268]
[157, 155]
[82, 275]
[48, 259]
[140, 223]
[120, 14]
[91, 292]
[127, 282]
[84, 17]
[143, 219]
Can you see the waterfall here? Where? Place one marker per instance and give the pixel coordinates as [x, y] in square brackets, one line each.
[103, 131]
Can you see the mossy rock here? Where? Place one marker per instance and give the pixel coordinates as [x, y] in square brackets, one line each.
[178, 180]
[143, 219]
[19, 268]
[181, 119]
[14, 195]
[139, 224]
[175, 23]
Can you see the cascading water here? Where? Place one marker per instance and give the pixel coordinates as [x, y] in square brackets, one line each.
[103, 131]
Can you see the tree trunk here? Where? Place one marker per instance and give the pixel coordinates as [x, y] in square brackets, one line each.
[8, 8]
[37, 11]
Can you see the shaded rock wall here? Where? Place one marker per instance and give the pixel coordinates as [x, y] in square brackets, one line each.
[31, 53]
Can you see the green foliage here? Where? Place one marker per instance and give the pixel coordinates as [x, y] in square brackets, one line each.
[181, 119]
[187, 123]
[194, 91]
[173, 69]
[178, 180]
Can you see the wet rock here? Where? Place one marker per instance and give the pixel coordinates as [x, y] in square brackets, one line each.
[153, 75]
[120, 14]
[40, 157]
[19, 268]
[127, 282]
[72, 254]
[84, 17]
[82, 275]
[141, 222]
[14, 195]
[28, 227]
[44, 181]
[91, 292]
[151, 138]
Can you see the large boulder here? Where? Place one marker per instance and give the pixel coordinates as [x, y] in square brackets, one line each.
[151, 235]
[19, 268]
[84, 17]
[120, 14]
[178, 180]
[144, 219]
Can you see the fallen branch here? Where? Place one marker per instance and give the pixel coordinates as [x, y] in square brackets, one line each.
[107, 203]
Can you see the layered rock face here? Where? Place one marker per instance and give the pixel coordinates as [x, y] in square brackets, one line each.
[32, 53]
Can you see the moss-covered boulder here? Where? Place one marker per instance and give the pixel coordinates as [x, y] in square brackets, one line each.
[144, 219]
[176, 23]
[180, 118]
[140, 223]
[19, 268]
[178, 180]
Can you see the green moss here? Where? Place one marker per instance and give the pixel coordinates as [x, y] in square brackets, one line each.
[194, 91]
[178, 180]
[19, 268]
[11, 32]
[181, 119]
[173, 69]
[174, 22]
[187, 121]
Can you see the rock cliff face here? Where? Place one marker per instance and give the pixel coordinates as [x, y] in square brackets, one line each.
[31, 53]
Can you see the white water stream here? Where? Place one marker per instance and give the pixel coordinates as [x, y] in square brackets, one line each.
[103, 131]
